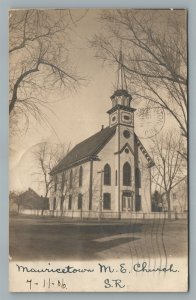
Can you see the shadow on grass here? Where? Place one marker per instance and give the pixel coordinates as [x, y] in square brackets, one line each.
[35, 240]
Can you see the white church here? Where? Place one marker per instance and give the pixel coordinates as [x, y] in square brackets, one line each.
[108, 175]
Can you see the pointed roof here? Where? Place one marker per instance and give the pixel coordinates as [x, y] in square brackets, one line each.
[89, 148]
[144, 151]
[126, 145]
[30, 193]
[85, 150]
[121, 88]
[121, 83]
[31, 200]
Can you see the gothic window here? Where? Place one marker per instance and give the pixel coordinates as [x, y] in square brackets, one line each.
[55, 184]
[70, 202]
[138, 178]
[80, 176]
[127, 174]
[62, 182]
[116, 177]
[106, 201]
[62, 200]
[71, 179]
[54, 203]
[107, 175]
[79, 201]
[138, 203]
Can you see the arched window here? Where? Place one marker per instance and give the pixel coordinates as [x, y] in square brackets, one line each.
[138, 203]
[63, 181]
[127, 174]
[116, 177]
[62, 201]
[55, 184]
[107, 175]
[71, 179]
[79, 201]
[54, 203]
[70, 202]
[80, 176]
[106, 201]
[138, 178]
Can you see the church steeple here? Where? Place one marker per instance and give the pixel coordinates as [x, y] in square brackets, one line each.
[121, 111]
[121, 83]
[121, 95]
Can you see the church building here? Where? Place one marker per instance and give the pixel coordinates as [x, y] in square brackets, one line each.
[108, 175]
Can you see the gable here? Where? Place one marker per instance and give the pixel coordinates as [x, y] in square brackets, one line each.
[85, 150]
[144, 152]
[29, 194]
[125, 146]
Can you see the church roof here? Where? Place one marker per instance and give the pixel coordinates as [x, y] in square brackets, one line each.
[89, 148]
[85, 150]
[144, 151]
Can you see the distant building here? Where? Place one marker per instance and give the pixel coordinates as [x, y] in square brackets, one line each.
[109, 173]
[178, 197]
[28, 200]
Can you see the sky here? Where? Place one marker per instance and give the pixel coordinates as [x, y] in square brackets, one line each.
[77, 115]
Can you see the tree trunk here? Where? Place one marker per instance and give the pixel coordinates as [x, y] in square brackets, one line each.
[62, 202]
[169, 204]
[18, 206]
[44, 200]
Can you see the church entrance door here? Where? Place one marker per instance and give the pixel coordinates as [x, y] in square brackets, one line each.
[127, 202]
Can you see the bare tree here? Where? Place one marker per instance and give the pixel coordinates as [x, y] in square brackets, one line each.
[61, 184]
[39, 61]
[170, 166]
[15, 198]
[47, 156]
[69, 185]
[154, 46]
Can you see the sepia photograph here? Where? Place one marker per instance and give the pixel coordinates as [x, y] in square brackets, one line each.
[98, 184]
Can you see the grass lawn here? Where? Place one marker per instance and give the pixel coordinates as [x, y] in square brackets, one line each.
[41, 238]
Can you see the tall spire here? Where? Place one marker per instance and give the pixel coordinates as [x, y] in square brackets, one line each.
[121, 83]
[121, 95]
[121, 112]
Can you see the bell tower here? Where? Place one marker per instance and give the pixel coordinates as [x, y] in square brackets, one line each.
[121, 116]
[121, 112]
